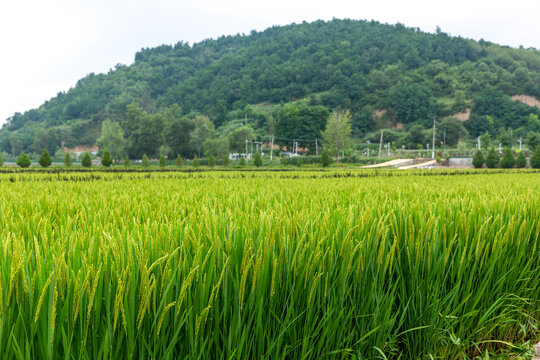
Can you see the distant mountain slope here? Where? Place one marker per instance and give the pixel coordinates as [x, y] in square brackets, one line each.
[359, 65]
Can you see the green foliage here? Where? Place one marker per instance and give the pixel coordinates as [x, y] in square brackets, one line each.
[86, 160]
[211, 161]
[127, 163]
[1, 161]
[492, 159]
[23, 160]
[67, 160]
[112, 139]
[294, 76]
[45, 159]
[195, 162]
[535, 158]
[508, 161]
[179, 161]
[299, 161]
[336, 135]
[478, 159]
[145, 161]
[162, 162]
[242, 162]
[284, 161]
[257, 159]
[325, 158]
[226, 162]
[106, 159]
[521, 160]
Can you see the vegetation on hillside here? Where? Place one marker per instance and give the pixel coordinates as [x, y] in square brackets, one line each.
[209, 97]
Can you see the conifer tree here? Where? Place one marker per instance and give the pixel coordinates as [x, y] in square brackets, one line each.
[492, 159]
[106, 160]
[478, 159]
[145, 161]
[86, 160]
[67, 160]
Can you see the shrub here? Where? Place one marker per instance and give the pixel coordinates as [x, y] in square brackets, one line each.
[45, 159]
[67, 160]
[162, 160]
[86, 160]
[478, 159]
[1, 161]
[242, 162]
[127, 162]
[226, 161]
[179, 161]
[284, 161]
[106, 160]
[535, 158]
[257, 160]
[23, 160]
[145, 161]
[211, 161]
[299, 161]
[325, 158]
[492, 159]
[195, 163]
[508, 161]
[521, 160]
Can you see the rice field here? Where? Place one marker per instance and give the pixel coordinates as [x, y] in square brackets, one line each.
[269, 265]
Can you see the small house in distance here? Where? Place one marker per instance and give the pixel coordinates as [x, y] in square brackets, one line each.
[238, 156]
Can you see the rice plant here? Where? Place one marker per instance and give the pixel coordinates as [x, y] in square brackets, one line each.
[240, 265]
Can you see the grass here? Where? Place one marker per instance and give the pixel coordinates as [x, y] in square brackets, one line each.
[300, 265]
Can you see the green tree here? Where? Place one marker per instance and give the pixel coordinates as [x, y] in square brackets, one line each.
[298, 120]
[45, 159]
[211, 161]
[478, 159]
[195, 162]
[127, 163]
[67, 160]
[86, 160]
[535, 158]
[112, 139]
[23, 160]
[533, 140]
[337, 134]
[508, 161]
[179, 161]
[325, 158]
[257, 159]
[492, 159]
[299, 161]
[1, 161]
[226, 162]
[106, 159]
[145, 161]
[485, 140]
[204, 130]
[521, 160]
[242, 162]
[162, 160]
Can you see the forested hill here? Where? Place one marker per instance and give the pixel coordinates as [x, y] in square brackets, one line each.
[388, 76]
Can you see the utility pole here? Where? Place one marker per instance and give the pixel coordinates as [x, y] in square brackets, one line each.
[317, 147]
[271, 147]
[519, 144]
[245, 154]
[388, 145]
[433, 146]
[479, 143]
[380, 143]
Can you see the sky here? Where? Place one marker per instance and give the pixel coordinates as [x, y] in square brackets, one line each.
[47, 45]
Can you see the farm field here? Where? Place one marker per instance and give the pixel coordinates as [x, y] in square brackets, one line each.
[269, 265]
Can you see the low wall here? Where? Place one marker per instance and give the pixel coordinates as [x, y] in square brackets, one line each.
[460, 162]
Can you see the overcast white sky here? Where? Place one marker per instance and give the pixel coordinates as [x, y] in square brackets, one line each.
[47, 45]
